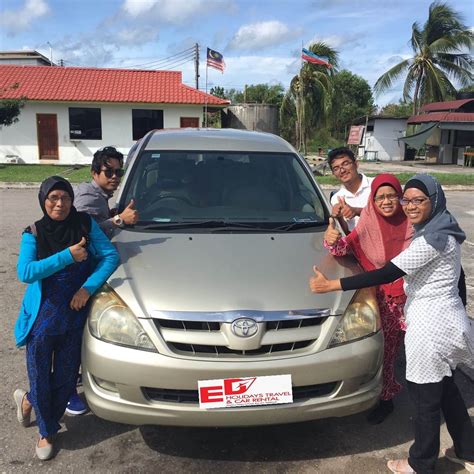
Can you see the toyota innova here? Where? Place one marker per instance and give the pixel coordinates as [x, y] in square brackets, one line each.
[213, 286]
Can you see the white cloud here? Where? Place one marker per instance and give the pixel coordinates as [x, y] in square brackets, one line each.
[21, 18]
[261, 35]
[336, 41]
[172, 11]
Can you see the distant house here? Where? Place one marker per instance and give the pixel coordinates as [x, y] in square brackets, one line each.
[24, 58]
[445, 129]
[71, 112]
[379, 137]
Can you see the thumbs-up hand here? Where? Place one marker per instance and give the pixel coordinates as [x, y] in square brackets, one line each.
[320, 284]
[347, 211]
[332, 234]
[79, 251]
[129, 215]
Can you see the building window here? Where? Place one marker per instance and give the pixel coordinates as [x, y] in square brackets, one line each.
[144, 120]
[85, 123]
[370, 128]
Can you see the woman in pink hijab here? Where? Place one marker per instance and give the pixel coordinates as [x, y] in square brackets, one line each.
[382, 232]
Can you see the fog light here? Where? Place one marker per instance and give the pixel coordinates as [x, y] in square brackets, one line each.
[105, 384]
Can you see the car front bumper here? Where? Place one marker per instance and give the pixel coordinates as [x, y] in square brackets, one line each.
[114, 378]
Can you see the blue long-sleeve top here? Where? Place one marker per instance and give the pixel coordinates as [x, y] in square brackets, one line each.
[32, 271]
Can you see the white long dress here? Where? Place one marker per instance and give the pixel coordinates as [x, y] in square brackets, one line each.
[439, 334]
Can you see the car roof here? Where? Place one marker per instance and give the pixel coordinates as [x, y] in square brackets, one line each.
[219, 139]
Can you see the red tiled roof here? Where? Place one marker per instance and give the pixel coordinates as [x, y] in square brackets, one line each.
[100, 85]
[442, 117]
[448, 105]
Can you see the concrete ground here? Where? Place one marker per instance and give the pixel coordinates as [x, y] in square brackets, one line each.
[89, 444]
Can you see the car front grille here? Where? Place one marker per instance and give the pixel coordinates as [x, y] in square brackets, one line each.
[214, 338]
[191, 396]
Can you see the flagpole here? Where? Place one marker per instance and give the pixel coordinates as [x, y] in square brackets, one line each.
[300, 121]
[205, 106]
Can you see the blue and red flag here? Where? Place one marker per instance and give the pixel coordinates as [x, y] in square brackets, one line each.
[309, 56]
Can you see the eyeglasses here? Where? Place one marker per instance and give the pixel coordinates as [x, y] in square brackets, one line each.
[413, 202]
[345, 164]
[109, 172]
[390, 197]
[55, 199]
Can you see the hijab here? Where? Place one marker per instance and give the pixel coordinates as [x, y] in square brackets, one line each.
[53, 236]
[377, 239]
[440, 224]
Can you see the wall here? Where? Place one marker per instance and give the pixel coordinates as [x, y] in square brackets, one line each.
[384, 139]
[20, 139]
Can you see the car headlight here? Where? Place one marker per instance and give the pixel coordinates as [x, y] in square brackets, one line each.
[361, 318]
[111, 320]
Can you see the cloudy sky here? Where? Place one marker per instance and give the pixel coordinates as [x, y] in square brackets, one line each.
[260, 39]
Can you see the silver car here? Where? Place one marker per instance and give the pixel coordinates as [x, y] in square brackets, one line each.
[213, 286]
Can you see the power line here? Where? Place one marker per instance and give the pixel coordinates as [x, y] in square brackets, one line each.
[180, 53]
[170, 63]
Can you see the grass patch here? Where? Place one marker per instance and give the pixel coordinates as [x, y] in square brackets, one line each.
[37, 173]
[78, 174]
[466, 179]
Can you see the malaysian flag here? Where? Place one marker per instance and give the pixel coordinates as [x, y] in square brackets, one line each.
[215, 60]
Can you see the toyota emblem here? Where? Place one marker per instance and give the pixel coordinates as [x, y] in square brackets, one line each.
[244, 327]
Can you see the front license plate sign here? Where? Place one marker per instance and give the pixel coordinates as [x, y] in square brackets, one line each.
[245, 391]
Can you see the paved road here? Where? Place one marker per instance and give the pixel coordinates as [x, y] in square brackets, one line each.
[89, 444]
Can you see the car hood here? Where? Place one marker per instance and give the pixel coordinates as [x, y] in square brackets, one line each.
[225, 272]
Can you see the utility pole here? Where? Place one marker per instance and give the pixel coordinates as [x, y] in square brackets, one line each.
[196, 64]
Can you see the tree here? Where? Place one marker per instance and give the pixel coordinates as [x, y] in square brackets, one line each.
[469, 88]
[253, 94]
[218, 91]
[10, 109]
[438, 56]
[309, 95]
[402, 109]
[353, 99]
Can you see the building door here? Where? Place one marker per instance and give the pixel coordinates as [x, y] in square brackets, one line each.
[185, 122]
[47, 129]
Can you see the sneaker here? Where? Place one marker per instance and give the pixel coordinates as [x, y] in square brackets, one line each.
[75, 405]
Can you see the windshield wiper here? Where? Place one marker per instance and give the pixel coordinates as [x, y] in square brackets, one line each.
[215, 225]
[225, 226]
[299, 225]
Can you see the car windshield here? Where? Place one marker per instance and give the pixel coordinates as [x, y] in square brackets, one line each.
[223, 188]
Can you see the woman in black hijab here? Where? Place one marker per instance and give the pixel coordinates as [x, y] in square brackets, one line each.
[65, 258]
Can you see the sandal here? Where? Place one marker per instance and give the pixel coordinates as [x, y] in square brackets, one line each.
[400, 466]
[451, 455]
[22, 417]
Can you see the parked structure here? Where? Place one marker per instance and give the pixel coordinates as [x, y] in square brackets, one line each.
[445, 128]
[379, 138]
[72, 112]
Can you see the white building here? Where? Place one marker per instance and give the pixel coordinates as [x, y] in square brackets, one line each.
[72, 112]
[380, 139]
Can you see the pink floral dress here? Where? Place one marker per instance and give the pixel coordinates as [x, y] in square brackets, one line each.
[393, 326]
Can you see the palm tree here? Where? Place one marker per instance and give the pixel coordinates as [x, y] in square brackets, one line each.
[309, 94]
[438, 57]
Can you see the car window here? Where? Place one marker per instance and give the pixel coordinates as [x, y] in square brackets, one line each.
[177, 186]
